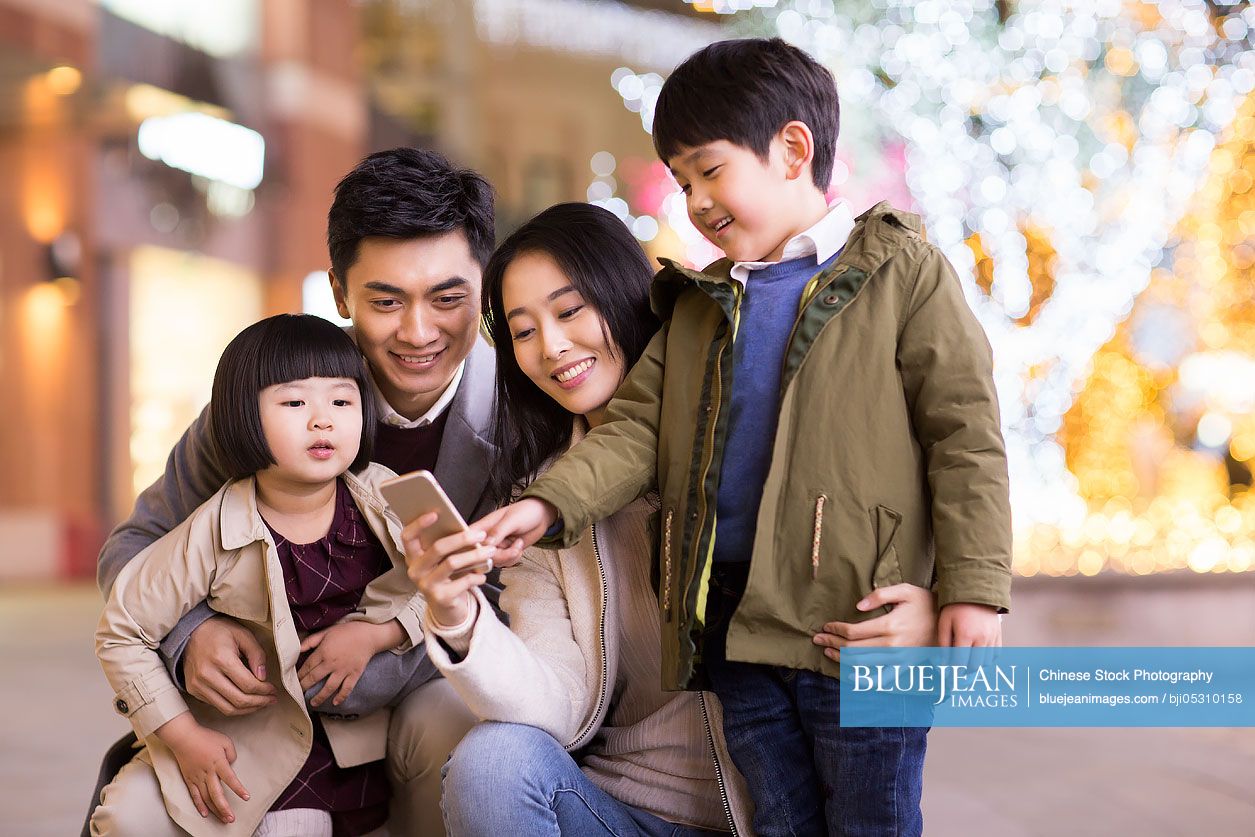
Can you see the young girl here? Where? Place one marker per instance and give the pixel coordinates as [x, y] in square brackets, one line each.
[585, 741]
[299, 548]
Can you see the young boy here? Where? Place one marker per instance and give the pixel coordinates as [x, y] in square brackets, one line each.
[818, 413]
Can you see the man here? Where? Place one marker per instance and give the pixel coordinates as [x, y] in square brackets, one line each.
[408, 236]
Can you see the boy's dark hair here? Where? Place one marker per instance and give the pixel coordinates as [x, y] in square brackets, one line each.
[744, 91]
[278, 350]
[606, 265]
[407, 193]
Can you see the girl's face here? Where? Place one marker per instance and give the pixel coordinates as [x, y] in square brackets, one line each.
[313, 427]
[559, 339]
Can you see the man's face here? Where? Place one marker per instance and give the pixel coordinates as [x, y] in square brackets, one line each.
[415, 306]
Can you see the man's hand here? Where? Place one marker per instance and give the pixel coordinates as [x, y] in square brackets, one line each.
[515, 527]
[340, 654]
[432, 568]
[969, 625]
[205, 759]
[911, 623]
[224, 666]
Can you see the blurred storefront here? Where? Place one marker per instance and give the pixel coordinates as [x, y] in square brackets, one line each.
[170, 164]
[524, 90]
[168, 170]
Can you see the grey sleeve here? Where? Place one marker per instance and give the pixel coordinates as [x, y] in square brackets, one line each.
[191, 477]
[172, 647]
[386, 679]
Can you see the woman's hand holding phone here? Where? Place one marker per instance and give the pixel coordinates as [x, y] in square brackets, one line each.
[445, 569]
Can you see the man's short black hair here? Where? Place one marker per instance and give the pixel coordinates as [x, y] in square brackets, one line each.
[279, 350]
[744, 91]
[408, 193]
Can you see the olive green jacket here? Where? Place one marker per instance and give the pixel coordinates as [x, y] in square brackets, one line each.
[888, 463]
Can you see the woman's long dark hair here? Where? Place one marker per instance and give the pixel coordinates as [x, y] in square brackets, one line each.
[605, 264]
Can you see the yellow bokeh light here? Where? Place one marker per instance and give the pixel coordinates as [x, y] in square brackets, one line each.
[64, 80]
[1120, 61]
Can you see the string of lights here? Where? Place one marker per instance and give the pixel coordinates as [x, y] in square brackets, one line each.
[1056, 151]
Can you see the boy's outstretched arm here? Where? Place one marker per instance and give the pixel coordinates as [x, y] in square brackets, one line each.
[517, 526]
[609, 468]
[947, 374]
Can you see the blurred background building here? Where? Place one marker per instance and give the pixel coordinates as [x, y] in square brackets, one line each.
[1088, 168]
[168, 170]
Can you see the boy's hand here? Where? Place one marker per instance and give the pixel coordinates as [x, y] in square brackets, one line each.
[432, 568]
[204, 758]
[341, 652]
[911, 623]
[515, 527]
[969, 625]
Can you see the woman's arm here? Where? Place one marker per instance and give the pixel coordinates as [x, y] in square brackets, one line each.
[533, 672]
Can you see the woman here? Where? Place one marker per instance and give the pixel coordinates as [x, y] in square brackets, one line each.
[582, 738]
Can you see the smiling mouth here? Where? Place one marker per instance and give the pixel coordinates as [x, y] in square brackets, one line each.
[417, 360]
[720, 225]
[570, 373]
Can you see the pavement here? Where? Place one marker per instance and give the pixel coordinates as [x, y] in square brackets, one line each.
[56, 721]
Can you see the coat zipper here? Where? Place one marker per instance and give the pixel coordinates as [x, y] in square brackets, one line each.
[714, 755]
[716, 398]
[818, 533]
[601, 636]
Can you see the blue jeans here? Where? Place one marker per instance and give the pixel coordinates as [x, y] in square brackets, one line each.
[807, 773]
[515, 779]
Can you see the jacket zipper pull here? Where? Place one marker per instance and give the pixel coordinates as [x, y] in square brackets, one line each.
[666, 563]
[817, 535]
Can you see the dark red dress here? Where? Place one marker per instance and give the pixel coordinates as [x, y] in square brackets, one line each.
[324, 581]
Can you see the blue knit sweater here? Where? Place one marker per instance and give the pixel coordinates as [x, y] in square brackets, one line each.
[768, 312]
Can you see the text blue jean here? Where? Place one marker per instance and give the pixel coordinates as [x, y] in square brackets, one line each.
[808, 775]
[515, 779]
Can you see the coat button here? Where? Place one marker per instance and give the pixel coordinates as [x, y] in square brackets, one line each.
[121, 706]
[831, 299]
[692, 515]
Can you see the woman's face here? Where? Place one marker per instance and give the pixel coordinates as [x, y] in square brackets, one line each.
[559, 339]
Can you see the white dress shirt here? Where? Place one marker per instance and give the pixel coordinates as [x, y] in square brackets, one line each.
[392, 418]
[828, 235]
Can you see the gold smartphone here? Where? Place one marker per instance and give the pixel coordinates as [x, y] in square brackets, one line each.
[418, 493]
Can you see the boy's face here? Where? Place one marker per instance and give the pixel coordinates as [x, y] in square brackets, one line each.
[415, 308]
[739, 202]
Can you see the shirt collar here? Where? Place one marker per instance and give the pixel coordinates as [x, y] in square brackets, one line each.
[823, 240]
[392, 418]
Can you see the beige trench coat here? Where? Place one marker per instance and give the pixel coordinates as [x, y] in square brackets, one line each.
[224, 554]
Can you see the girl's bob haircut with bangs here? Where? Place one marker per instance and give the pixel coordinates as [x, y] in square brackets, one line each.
[279, 350]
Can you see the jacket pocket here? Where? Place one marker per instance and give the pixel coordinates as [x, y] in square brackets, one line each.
[887, 570]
